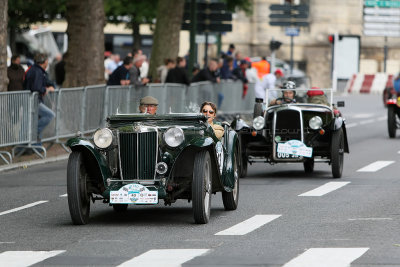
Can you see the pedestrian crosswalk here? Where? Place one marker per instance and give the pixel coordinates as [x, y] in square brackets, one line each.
[249, 225]
[312, 257]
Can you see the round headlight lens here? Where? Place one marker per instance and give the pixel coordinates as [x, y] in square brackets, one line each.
[258, 123]
[174, 137]
[315, 122]
[103, 138]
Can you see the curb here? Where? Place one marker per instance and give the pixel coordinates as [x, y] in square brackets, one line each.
[24, 165]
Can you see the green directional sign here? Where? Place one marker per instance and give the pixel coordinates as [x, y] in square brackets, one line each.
[381, 3]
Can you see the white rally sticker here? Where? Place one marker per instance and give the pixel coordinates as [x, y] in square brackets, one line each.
[220, 155]
[133, 194]
[296, 148]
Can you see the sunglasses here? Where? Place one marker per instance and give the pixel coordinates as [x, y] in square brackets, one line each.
[209, 111]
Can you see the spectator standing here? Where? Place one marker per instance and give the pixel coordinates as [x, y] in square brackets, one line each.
[231, 50]
[178, 74]
[112, 64]
[262, 67]
[164, 69]
[36, 81]
[144, 69]
[120, 75]
[210, 73]
[134, 72]
[52, 67]
[237, 59]
[227, 69]
[15, 74]
[267, 82]
[240, 73]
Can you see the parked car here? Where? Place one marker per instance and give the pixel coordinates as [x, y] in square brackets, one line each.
[142, 159]
[295, 132]
[393, 119]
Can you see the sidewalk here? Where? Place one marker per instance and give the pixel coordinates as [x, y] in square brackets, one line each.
[55, 153]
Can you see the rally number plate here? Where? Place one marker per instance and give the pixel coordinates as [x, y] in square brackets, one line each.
[133, 194]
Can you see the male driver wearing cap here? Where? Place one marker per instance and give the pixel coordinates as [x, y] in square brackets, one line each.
[148, 104]
[267, 82]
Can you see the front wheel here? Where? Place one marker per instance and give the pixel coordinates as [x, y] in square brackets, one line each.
[392, 125]
[201, 187]
[231, 199]
[243, 169]
[78, 195]
[337, 153]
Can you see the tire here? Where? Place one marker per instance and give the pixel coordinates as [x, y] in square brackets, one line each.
[243, 167]
[78, 196]
[385, 96]
[392, 125]
[120, 207]
[337, 153]
[231, 199]
[308, 165]
[258, 110]
[201, 187]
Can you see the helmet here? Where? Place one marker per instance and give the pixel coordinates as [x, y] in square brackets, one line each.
[289, 86]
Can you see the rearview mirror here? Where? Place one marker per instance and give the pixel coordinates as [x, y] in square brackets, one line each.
[340, 104]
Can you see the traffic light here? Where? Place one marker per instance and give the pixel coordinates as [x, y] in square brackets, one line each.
[274, 45]
[331, 38]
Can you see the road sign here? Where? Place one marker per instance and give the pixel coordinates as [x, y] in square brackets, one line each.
[292, 31]
[377, 3]
[289, 15]
[227, 16]
[211, 27]
[300, 8]
[289, 23]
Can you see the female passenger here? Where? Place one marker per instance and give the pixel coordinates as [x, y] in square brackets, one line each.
[209, 110]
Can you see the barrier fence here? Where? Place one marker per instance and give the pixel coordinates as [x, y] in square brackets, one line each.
[85, 109]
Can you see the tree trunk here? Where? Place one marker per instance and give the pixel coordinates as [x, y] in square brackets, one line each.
[166, 35]
[3, 45]
[84, 60]
[137, 37]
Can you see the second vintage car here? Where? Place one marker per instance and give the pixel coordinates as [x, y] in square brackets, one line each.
[142, 159]
[290, 131]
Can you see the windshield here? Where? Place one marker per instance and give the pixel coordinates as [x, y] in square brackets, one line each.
[309, 96]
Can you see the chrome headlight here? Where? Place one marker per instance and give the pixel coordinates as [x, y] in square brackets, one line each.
[315, 122]
[258, 123]
[174, 137]
[103, 138]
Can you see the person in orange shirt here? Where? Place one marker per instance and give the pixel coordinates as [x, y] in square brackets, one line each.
[262, 67]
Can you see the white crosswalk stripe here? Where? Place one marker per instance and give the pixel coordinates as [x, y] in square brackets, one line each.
[249, 225]
[376, 166]
[164, 257]
[327, 257]
[23, 207]
[26, 258]
[324, 189]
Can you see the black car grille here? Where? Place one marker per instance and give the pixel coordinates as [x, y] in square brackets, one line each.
[138, 155]
[288, 125]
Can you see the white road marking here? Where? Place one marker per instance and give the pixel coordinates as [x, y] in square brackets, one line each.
[26, 258]
[65, 195]
[363, 115]
[376, 166]
[370, 219]
[382, 118]
[351, 125]
[367, 121]
[398, 152]
[249, 225]
[324, 189]
[327, 257]
[164, 257]
[24, 207]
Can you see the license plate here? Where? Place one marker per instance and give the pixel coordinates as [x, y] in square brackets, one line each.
[133, 194]
[286, 156]
[293, 148]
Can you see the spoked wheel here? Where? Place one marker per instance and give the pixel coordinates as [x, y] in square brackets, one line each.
[337, 153]
[231, 199]
[78, 195]
[309, 165]
[120, 207]
[201, 187]
[392, 124]
[243, 169]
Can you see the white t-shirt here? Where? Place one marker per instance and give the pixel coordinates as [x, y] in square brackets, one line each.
[267, 82]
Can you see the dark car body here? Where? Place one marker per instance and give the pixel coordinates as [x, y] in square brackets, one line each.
[139, 167]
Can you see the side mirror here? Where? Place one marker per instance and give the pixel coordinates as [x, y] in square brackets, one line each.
[340, 104]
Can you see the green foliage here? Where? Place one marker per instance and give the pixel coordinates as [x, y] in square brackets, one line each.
[245, 5]
[130, 11]
[22, 13]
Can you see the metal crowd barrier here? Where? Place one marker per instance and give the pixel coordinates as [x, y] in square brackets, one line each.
[84, 109]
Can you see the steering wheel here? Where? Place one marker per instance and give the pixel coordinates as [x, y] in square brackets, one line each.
[285, 100]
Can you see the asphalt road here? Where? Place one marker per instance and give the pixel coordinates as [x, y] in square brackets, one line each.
[281, 220]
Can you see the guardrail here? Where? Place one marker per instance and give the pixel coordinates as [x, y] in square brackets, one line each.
[84, 109]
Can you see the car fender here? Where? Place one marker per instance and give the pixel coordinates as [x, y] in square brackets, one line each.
[339, 124]
[79, 144]
[232, 147]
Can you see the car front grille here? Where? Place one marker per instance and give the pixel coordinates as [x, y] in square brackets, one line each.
[288, 125]
[138, 155]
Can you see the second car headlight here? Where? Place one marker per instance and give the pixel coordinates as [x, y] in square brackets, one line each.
[103, 138]
[258, 123]
[174, 137]
[315, 122]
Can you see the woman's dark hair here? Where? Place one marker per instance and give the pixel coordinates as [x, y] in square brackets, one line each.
[211, 104]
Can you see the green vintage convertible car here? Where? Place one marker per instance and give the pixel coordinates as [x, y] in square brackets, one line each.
[141, 158]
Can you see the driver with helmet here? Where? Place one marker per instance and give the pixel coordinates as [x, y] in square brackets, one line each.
[288, 94]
